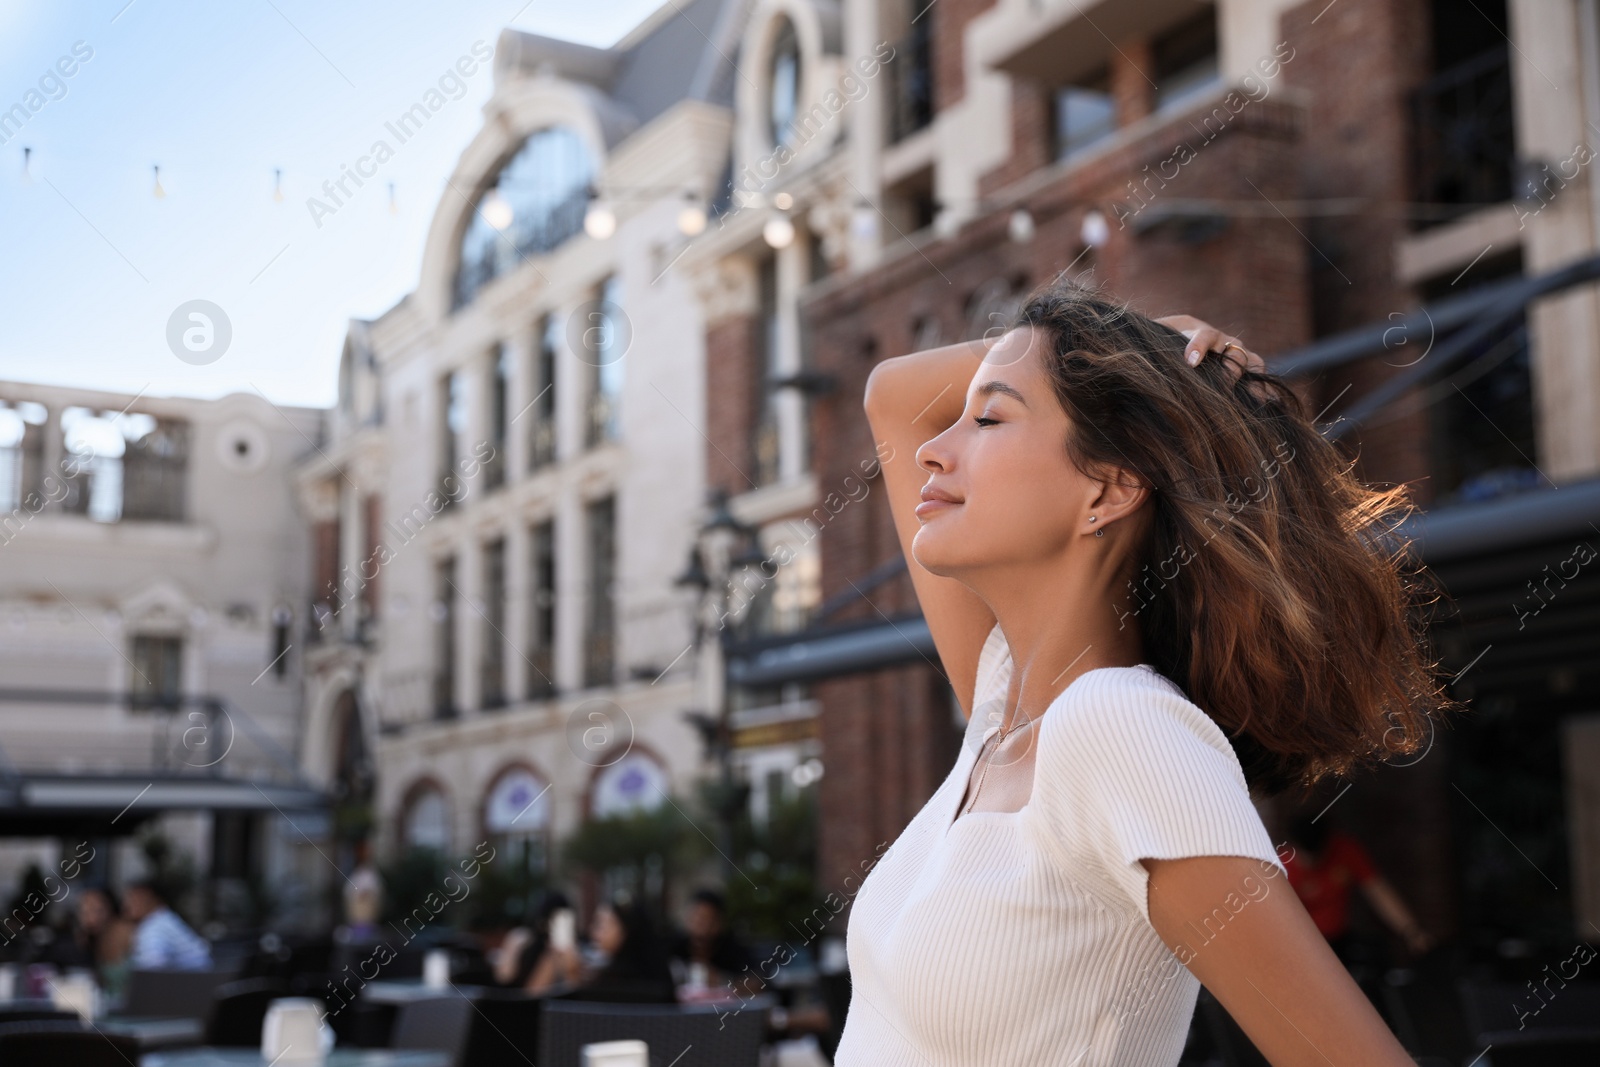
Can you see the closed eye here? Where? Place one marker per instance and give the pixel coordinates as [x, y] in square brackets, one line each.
[981, 421]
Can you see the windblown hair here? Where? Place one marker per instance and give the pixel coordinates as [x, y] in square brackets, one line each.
[1273, 586]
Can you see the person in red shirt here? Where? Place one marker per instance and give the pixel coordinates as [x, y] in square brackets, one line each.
[1326, 865]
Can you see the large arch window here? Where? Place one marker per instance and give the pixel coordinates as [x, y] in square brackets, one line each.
[783, 84]
[537, 201]
[426, 822]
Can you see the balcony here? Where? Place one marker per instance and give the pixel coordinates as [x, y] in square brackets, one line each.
[910, 75]
[1464, 142]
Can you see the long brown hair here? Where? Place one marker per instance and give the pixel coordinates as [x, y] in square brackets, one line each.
[1273, 587]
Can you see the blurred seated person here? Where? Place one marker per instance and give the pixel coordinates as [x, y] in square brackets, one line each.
[1326, 865]
[710, 954]
[632, 965]
[523, 946]
[162, 941]
[102, 937]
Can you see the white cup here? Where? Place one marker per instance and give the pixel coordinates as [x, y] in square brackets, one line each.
[436, 968]
[8, 981]
[616, 1054]
[76, 992]
[293, 1032]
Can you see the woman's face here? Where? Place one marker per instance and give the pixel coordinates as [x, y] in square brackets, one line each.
[1004, 490]
[93, 910]
[607, 931]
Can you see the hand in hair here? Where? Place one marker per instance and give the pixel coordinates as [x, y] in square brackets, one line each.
[1205, 338]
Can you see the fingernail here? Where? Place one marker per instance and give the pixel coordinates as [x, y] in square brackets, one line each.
[1192, 356]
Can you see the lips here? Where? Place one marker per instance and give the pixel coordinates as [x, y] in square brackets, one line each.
[935, 500]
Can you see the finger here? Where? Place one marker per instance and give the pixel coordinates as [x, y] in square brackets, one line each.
[1203, 340]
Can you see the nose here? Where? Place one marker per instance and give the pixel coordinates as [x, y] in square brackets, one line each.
[934, 455]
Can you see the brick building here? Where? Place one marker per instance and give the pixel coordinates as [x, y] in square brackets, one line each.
[1307, 176]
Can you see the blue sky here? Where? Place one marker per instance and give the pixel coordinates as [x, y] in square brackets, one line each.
[219, 95]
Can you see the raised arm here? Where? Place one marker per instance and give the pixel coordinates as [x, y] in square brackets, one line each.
[910, 400]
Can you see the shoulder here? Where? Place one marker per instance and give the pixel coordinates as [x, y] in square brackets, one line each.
[1139, 717]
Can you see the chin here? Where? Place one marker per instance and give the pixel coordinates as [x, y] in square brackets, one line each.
[932, 549]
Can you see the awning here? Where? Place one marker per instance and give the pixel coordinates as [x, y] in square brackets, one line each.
[53, 805]
[1533, 522]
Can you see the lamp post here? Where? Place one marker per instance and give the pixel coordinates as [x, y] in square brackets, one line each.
[722, 546]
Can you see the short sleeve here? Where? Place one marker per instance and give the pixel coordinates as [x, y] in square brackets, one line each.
[1132, 770]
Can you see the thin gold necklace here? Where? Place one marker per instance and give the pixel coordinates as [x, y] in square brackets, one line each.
[1000, 737]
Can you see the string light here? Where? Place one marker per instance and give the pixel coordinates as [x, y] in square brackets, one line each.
[599, 221]
[497, 211]
[277, 186]
[691, 217]
[778, 232]
[394, 207]
[27, 155]
[158, 192]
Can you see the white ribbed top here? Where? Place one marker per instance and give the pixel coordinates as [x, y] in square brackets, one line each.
[1023, 938]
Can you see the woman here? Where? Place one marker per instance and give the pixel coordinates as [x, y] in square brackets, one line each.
[635, 966]
[1326, 866]
[522, 948]
[1138, 566]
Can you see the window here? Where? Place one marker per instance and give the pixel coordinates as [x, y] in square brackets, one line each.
[542, 611]
[282, 618]
[426, 823]
[516, 815]
[443, 613]
[542, 428]
[911, 81]
[783, 85]
[536, 202]
[634, 783]
[492, 675]
[599, 638]
[453, 404]
[1186, 60]
[157, 671]
[764, 427]
[604, 344]
[21, 455]
[494, 468]
[1085, 114]
[124, 465]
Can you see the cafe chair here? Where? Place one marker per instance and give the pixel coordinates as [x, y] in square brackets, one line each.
[238, 1009]
[1558, 1028]
[58, 1043]
[438, 1023]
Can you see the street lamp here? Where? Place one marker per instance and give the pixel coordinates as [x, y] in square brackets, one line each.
[722, 546]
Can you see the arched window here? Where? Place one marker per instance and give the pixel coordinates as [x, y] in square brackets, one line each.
[426, 823]
[537, 201]
[783, 84]
[633, 783]
[516, 815]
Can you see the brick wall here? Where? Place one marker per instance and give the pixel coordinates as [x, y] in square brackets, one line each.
[950, 18]
[732, 369]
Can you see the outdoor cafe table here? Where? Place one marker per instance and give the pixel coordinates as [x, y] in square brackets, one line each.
[152, 1032]
[339, 1057]
[405, 990]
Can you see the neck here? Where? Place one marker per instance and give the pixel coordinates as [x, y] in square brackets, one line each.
[1059, 625]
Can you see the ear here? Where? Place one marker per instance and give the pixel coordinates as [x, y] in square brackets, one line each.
[1116, 496]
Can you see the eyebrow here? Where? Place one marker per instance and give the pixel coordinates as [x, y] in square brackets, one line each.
[997, 386]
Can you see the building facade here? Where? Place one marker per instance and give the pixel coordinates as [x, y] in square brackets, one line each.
[517, 466]
[1304, 175]
[153, 581]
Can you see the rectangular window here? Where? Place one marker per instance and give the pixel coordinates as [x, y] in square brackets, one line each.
[452, 431]
[1085, 114]
[605, 341]
[124, 465]
[599, 644]
[764, 426]
[542, 611]
[492, 675]
[1186, 60]
[21, 460]
[443, 613]
[494, 468]
[157, 671]
[542, 412]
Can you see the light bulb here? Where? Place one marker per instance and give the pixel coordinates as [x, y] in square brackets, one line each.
[692, 220]
[497, 211]
[783, 201]
[778, 232]
[1020, 226]
[599, 222]
[1094, 231]
[158, 192]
